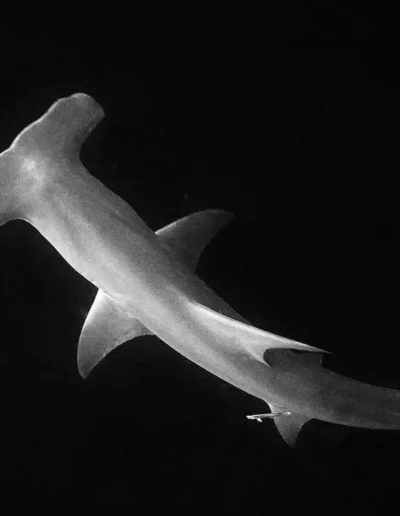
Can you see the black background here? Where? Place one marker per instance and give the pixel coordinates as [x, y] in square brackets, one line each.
[287, 117]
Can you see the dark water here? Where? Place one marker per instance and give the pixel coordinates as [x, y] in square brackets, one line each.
[288, 119]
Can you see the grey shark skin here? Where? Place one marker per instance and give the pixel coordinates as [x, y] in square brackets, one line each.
[147, 283]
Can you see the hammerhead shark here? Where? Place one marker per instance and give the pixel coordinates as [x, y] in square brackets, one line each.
[147, 283]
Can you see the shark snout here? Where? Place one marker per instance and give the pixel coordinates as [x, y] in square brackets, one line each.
[63, 128]
[42, 150]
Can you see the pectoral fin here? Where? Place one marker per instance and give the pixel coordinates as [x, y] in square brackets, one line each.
[107, 326]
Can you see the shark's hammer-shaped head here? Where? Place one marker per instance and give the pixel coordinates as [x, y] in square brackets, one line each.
[44, 147]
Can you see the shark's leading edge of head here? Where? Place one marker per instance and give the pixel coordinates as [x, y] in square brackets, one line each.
[39, 150]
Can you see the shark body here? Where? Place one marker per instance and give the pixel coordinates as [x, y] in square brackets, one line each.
[147, 283]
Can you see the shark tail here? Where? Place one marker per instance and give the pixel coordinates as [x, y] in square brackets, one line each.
[319, 393]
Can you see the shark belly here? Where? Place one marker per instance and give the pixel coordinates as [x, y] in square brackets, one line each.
[172, 322]
[119, 254]
[105, 241]
[100, 236]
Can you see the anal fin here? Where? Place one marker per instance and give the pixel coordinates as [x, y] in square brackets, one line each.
[288, 424]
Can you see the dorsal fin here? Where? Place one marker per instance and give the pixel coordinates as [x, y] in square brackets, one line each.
[310, 359]
[188, 236]
[254, 340]
[286, 358]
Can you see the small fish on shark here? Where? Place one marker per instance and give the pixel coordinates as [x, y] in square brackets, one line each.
[147, 282]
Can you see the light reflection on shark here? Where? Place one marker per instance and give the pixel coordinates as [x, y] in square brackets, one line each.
[147, 282]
